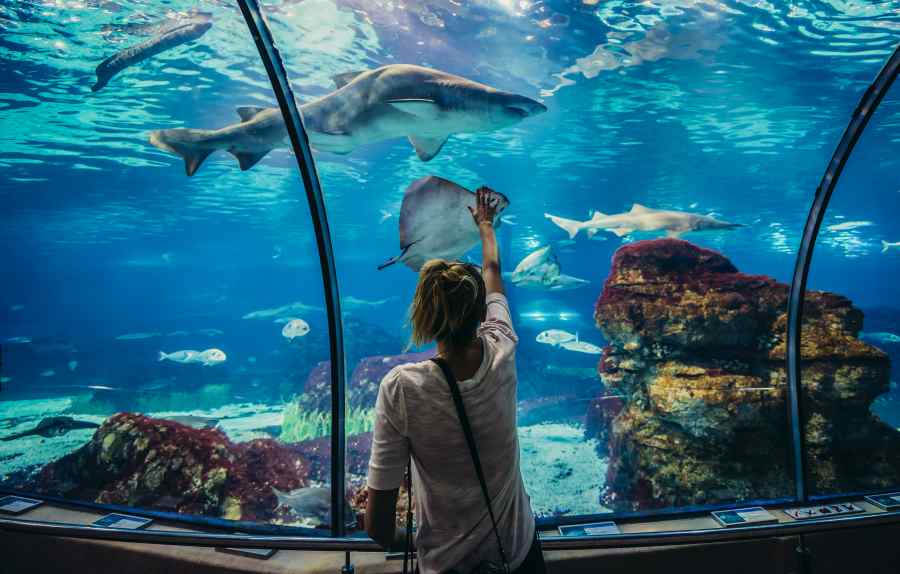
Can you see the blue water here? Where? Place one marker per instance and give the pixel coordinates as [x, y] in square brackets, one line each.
[726, 107]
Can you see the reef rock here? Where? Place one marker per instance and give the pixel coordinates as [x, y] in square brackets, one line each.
[694, 410]
[139, 461]
[363, 386]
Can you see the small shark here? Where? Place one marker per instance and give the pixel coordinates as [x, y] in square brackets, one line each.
[540, 270]
[397, 100]
[880, 337]
[351, 303]
[887, 245]
[170, 38]
[52, 427]
[642, 218]
[194, 421]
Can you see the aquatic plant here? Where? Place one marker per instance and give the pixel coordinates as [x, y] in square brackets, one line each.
[300, 424]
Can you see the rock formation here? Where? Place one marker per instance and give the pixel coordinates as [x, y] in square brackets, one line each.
[694, 407]
[138, 461]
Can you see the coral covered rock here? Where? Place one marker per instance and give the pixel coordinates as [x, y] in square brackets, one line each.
[139, 461]
[694, 409]
[363, 386]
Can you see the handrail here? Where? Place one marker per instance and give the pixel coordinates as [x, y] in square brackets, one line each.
[347, 544]
[271, 58]
[858, 122]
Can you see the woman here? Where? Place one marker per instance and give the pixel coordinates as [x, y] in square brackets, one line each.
[468, 316]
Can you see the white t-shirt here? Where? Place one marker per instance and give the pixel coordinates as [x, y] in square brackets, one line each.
[415, 409]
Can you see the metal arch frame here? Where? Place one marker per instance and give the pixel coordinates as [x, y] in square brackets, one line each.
[339, 541]
[858, 122]
[271, 58]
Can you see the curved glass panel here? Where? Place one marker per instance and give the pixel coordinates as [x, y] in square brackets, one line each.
[851, 322]
[154, 325]
[707, 122]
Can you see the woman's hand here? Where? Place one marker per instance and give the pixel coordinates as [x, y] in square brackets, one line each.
[485, 209]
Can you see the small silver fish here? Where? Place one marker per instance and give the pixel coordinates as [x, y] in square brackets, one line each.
[555, 337]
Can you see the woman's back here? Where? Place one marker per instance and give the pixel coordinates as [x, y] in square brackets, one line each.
[454, 528]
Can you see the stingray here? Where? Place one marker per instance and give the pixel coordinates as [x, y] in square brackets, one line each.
[541, 270]
[434, 222]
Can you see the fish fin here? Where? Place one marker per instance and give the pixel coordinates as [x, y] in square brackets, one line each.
[162, 356]
[247, 159]
[419, 107]
[597, 216]
[570, 225]
[396, 258]
[592, 232]
[620, 232]
[673, 234]
[884, 246]
[341, 80]
[193, 155]
[427, 148]
[247, 113]
[638, 208]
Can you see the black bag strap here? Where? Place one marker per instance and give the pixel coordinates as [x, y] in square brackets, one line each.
[408, 554]
[473, 450]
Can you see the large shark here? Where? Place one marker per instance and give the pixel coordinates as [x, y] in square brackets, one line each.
[398, 100]
[179, 33]
[642, 218]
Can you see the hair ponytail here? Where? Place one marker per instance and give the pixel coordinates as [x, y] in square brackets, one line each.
[448, 305]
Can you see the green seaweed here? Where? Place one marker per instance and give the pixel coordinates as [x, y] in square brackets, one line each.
[299, 424]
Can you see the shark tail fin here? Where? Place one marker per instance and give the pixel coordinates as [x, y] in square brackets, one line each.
[183, 142]
[162, 356]
[884, 246]
[396, 258]
[570, 225]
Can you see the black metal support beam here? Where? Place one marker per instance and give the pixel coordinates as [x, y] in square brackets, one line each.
[858, 122]
[274, 65]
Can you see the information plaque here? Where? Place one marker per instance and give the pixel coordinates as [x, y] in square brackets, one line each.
[17, 504]
[822, 511]
[122, 521]
[744, 516]
[890, 501]
[259, 553]
[592, 529]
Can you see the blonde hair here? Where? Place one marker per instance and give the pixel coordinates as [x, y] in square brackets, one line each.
[448, 305]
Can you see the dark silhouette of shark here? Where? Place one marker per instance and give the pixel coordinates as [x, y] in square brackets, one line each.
[52, 427]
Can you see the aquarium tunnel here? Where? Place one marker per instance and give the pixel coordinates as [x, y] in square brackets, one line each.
[214, 213]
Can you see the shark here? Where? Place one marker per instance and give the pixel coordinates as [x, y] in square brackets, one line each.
[176, 35]
[52, 427]
[540, 269]
[642, 218]
[424, 105]
[887, 245]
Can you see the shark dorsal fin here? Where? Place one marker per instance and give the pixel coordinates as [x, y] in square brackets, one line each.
[248, 112]
[341, 80]
[638, 208]
[424, 108]
[427, 148]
